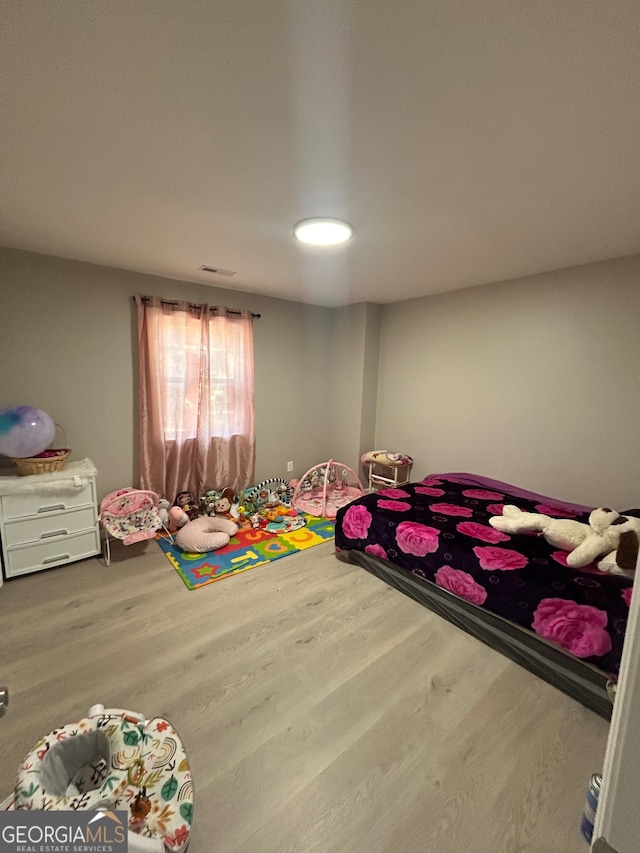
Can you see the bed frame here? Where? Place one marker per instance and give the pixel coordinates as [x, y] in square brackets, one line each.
[580, 680]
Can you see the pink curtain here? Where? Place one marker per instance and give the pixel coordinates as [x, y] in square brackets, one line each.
[196, 397]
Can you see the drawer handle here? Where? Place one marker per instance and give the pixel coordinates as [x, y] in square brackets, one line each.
[55, 559]
[51, 508]
[54, 533]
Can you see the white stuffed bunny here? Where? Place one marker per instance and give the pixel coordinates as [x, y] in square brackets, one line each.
[564, 533]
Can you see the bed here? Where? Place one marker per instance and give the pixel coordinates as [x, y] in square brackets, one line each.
[432, 541]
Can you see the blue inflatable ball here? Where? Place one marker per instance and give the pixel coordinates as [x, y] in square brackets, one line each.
[25, 431]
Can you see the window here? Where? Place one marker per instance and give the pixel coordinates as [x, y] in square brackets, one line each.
[196, 396]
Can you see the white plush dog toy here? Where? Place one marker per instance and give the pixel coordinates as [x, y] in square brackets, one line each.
[614, 537]
[608, 534]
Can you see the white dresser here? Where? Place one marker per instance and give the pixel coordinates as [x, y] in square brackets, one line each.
[47, 520]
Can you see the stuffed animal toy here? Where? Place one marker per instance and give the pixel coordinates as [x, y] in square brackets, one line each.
[623, 560]
[224, 504]
[187, 502]
[208, 501]
[177, 518]
[606, 531]
[612, 536]
[163, 511]
[563, 533]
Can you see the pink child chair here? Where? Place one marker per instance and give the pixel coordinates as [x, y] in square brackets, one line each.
[131, 515]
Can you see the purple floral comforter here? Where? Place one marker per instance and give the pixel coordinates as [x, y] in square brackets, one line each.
[439, 530]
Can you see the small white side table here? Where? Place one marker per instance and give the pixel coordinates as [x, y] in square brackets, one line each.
[386, 468]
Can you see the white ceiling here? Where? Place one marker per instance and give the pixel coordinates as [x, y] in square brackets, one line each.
[466, 141]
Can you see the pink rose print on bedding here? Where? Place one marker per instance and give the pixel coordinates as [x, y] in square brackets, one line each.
[482, 495]
[578, 628]
[556, 511]
[499, 559]
[495, 509]
[401, 506]
[417, 539]
[429, 490]
[451, 509]
[560, 557]
[376, 551]
[461, 583]
[481, 531]
[393, 493]
[626, 595]
[356, 522]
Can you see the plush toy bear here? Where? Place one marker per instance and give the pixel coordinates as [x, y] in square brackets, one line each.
[608, 534]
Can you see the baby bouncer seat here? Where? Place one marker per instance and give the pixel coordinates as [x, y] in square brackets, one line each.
[114, 760]
[131, 515]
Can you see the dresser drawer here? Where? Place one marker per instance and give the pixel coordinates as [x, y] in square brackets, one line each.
[22, 559]
[48, 526]
[20, 506]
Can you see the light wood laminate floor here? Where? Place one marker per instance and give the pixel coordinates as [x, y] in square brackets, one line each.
[321, 710]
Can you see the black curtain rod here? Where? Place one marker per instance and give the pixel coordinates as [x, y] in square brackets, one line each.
[211, 308]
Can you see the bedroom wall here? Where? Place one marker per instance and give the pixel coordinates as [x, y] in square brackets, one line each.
[370, 377]
[68, 342]
[353, 365]
[534, 381]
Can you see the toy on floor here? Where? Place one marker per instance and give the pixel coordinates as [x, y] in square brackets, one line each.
[267, 504]
[113, 760]
[608, 535]
[163, 511]
[131, 515]
[283, 523]
[208, 501]
[224, 503]
[269, 493]
[224, 506]
[325, 488]
[177, 519]
[279, 519]
[188, 502]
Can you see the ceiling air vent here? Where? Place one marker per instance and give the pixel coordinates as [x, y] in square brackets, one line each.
[217, 271]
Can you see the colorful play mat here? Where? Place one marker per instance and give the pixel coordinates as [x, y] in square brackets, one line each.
[246, 550]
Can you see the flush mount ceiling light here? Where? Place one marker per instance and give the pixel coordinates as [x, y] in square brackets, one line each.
[322, 232]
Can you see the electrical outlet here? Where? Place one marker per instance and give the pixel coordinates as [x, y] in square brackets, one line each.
[290, 466]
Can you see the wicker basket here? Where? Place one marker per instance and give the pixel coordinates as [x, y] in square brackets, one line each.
[43, 464]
